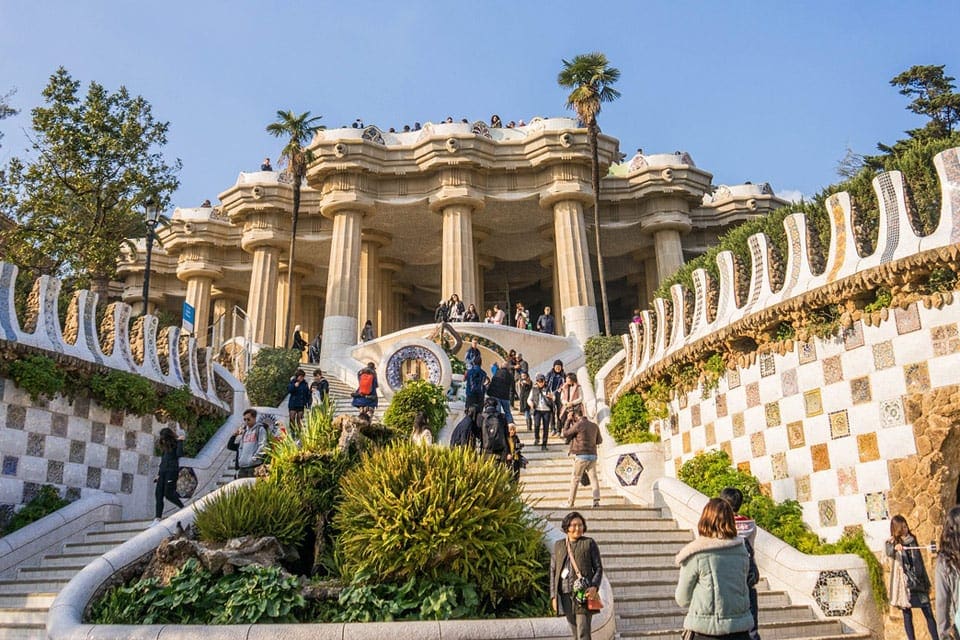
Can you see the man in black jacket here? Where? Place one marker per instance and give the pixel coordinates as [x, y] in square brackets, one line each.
[501, 389]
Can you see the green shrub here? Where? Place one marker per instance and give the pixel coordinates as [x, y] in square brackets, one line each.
[413, 397]
[124, 391]
[261, 509]
[434, 511]
[710, 472]
[447, 598]
[268, 377]
[882, 298]
[713, 369]
[630, 420]
[43, 504]
[941, 279]
[39, 376]
[598, 351]
[178, 405]
[199, 434]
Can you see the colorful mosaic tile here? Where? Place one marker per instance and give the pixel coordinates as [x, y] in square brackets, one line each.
[860, 390]
[710, 432]
[721, 405]
[36, 443]
[16, 416]
[795, 436]
[10, 464]
[853, 336]
[767, 365]
[891, 413]
[78, 450]
[744, 467]
[945, 339]
[628, 469]
[667, 449]
[847, 481]
[917, 377]
[779, 463]
[803, 488]
[867, 447]
[839, 424]
[771, 411]
[883, 355]
[832, 370]
[820, 456]
[812, 403]
[116, 418]
[677, 465]
[912, 408]
[739, 426]
[733, 378]
[98, 432]
[695, 415]
[788, 382]
[836, 593]
[758, 444]
[753, 394]
[682, 400]
[828, 512]
[877, 506]
[674, 424]
[55, 471]
[908, 320]
[807, 351]
[58, 425]
[686, 442]
[727, 448]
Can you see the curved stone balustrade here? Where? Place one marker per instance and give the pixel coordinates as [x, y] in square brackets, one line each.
[113, 345]
[654, 343]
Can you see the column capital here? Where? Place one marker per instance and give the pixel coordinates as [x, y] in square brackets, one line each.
[449, 195]
[339, 202]
[188, 270]
[666, 221]
[558, 191]
[379, 238]
[391, 264]
[486, 262]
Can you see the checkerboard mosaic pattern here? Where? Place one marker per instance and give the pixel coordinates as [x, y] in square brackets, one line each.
[819, 424]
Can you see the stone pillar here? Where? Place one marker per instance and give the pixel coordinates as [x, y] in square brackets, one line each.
[263, 294]
[669, 253]
[198, 296]
[555, 304]
[484, 264]
[296, 315]
[572, 260]
[341, 313]
[458, 270]
[388, 312]
[651, 280]
[666, 218]
[369, 296]
[311, 313]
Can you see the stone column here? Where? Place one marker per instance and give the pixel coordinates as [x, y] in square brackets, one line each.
[669, 253]
[311, 313]
[388, 312]
[665, 219]
[458, 270]
[651, 280]
[263, 294]
[296, 314]
[572, 259]
[369, 296]
[484, 264]
[341, 313]
[198, 296]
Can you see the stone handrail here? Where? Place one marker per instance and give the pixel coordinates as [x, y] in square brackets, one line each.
[168, 358]
[46, 534]
[665, 333]
[65, 620]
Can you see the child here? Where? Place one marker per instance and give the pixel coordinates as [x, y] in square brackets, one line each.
[171, 448]
[514, 458]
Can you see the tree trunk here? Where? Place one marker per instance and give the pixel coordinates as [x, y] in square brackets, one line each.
[594, 131]
[292, 255]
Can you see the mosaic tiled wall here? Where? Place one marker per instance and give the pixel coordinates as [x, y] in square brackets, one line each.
[76, 447]
[819, 424]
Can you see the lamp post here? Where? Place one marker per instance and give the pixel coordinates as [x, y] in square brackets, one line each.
[151, 217]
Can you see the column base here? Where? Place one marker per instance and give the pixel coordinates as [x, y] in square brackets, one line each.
[581, 322]
[339, 334]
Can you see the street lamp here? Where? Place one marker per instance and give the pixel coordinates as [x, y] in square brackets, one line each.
[151, 217]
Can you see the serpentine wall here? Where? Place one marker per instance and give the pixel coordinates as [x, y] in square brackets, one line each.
[76, 445]
[856, 426]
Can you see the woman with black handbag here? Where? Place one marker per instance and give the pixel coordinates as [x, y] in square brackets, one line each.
[575, 574]
[909, 584]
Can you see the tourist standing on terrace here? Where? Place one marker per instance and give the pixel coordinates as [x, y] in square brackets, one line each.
[366, 335]
[265, 165]
[442, 312]
[499, 315]
[540, 401]
[583, 435]
[455, 309]
[948, 572]
[488, 316]
[171, 448]
[521, 317]
[471, 314]
[909, 583]
[545, 323]
[713, 578]
[576, 571]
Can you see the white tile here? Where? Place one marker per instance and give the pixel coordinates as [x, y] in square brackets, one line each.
[57, 448]
[888, 383]
[843, 452]
[823, 485]
[74, 474]
[799, 462]
[851, 510]
[741, 449]
[817, 429]
[896, 442]
[945, 370]
[128, 461]
[13, 442]
[110, 481]
[913, 347]
[873, 476]
[11, 490]
[96, 455]
[78, 428]
[863, 418]
[37, 420]
[777, 439]
[32, 469]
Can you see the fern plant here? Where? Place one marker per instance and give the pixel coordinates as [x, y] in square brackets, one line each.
[259, 509]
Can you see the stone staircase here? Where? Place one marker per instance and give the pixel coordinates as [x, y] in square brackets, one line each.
[638, 545]
[340, 394]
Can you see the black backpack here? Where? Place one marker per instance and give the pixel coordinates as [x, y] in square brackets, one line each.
[492, 433]
[753, 571]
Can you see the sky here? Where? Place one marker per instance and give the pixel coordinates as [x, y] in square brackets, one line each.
[762, 91]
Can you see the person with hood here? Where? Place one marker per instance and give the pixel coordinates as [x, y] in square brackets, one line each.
[249, 442]
[555, 379]
[493, 430]
[475, 384]
[466, 433]
[367, 334]
[313, 353]
[713, 578]
[300, 397]
[576, 571]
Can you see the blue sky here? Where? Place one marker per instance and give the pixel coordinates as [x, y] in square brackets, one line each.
[761, 91]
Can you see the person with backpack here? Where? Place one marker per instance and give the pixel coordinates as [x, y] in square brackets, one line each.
[540, 401]
[466, 433]
[493, 430]
[249, 442]
[909, 583]
[583, 435]
[365, 397]
[947, 576]
[475, 382]
[746, 529]
[171, 448]
[501, 389]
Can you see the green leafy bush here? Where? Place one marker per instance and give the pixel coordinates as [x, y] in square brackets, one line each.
[882, 298]
[598, 351]
[124, 391]
[413, 397]
[710, 472]
[446, 598]
[199, 434]
[434, 511]
[39, 376]
[630, 420]
[259, 509]
[43, 504]
[195, 596]
[941, 279]
[268, 377]
[178, 405]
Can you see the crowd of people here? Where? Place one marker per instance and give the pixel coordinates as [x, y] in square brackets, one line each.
[495, 123]
[453, 309]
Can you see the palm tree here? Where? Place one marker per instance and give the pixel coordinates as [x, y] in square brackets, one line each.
[591, 77]
[300, 129]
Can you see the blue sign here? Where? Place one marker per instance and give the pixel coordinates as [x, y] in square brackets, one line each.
[189, 313]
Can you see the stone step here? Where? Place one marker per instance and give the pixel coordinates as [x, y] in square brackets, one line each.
[23, 587]
[132, 526]
[27, 600]
[99, 548]
[658, 572]
[116, 537]
[33, 574]
[25, 632]
[31, 617]
[654, 619]
[767, 600]
[68, 559]
[819, 629]
[613, 512]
